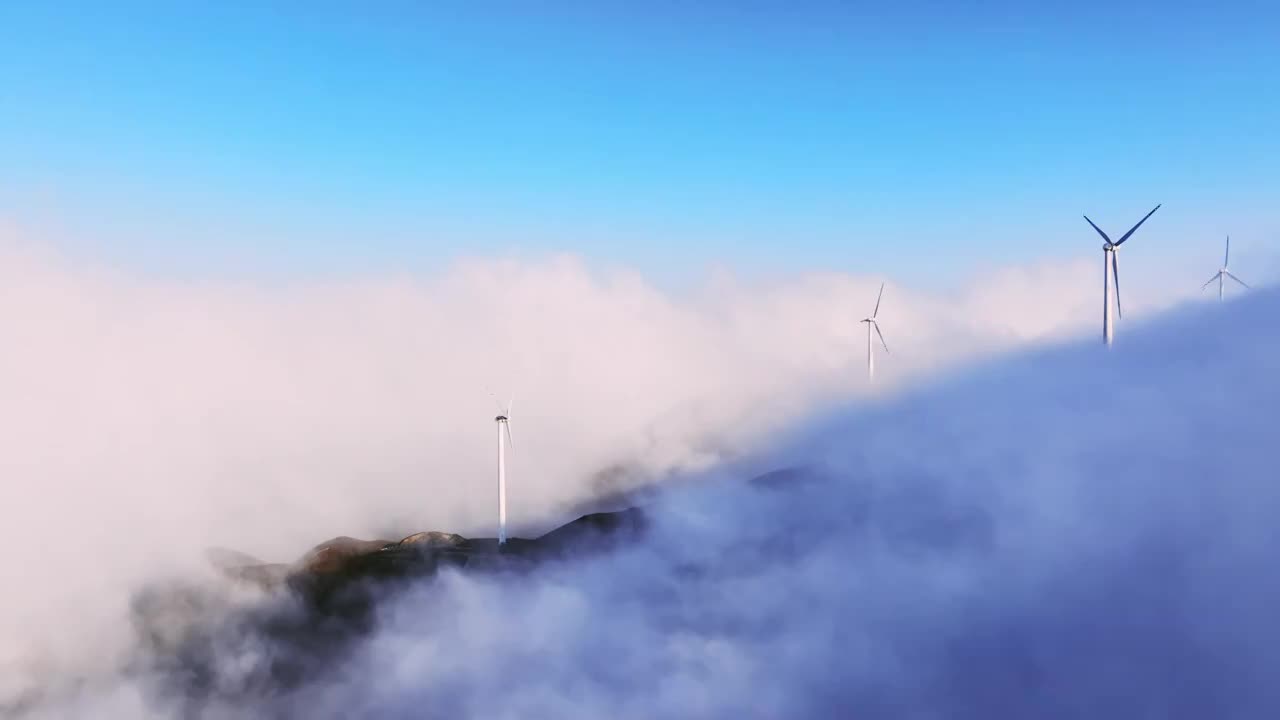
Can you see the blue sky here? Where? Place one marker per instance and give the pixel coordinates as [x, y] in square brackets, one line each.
[917, 139]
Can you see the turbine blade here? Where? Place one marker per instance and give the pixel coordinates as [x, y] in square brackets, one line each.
[1233, 277]
[1227, 257]
[1095, 227]
[1115, 275]
[1135, 227]
[880, 295]
[510, 441]
[497, 404]
[876, 325]
[510, 403]
[1215, 277]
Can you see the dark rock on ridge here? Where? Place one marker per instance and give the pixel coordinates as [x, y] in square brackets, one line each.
[317, 608]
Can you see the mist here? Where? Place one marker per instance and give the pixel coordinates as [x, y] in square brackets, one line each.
[1069, 532]
[978, 509]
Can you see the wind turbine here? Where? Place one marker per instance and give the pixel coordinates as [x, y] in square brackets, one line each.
[1111, 273]
[1224, 273]
[871, 323]
[504, 427]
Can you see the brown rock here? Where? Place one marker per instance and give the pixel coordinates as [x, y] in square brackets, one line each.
[435, 539]
[337, 554]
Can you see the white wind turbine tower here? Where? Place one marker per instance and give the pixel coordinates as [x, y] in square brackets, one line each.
[504, 428]
[1222, 275]
[871, 323]
[1111, 274]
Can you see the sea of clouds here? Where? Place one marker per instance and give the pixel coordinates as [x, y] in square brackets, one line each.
[1013, 524]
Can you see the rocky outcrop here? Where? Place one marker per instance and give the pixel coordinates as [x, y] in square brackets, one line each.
[339, 554]
[436, 540]
[319, 606]
[345, 561]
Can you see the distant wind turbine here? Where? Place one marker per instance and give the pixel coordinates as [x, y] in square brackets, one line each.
[1224, 273]
[871, 323]
[1111, 274]
[504, 428]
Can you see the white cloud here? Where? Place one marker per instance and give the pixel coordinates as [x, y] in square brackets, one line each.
[145, 420]
[1064, 533]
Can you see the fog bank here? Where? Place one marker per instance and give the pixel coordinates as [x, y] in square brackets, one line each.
[145, 421]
